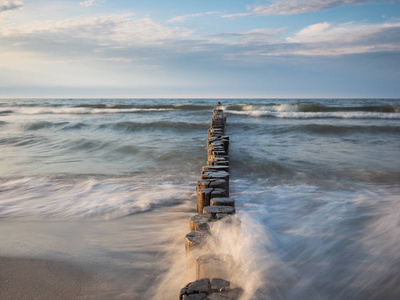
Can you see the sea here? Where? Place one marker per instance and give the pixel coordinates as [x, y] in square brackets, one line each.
[109, 185]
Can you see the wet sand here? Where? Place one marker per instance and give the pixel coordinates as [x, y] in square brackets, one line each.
[125, 258]
[24, 278]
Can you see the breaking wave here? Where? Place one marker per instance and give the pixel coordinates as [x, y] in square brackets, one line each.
[307, 111]
[45, 198]
[75, 110]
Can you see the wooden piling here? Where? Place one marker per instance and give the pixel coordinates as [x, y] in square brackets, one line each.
[223, 201]
[216, 209]
[213, 271]
[214, 266]
[200, 222]
[195, 240]
[203, 198]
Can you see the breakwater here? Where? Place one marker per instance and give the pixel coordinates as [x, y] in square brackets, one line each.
[216, 210]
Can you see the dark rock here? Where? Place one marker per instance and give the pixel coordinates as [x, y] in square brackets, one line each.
[217, 284]
[200, 287]
[195, 297]
[231, 294]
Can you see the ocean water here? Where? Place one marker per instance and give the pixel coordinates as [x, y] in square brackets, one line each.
[109, 184]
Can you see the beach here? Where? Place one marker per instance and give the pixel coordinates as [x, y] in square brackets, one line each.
[41, 279]
[96, 194]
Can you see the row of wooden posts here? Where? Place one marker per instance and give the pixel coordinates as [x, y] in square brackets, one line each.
[214, 206]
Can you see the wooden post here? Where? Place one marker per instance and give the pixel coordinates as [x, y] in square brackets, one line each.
[217, 175]
[216, 209]
[202, 184]
[195, 240]
[203, 199]
[214, 206]
[214, 266]
[223, 201]
[200, 222]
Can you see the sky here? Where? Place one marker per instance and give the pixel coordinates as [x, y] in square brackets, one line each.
[200, 48]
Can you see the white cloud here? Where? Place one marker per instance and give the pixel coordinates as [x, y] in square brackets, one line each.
[293, 7]
[185, 17]
[10, 4]
[123, 38]
[341, 33]
[252, 37]
[322, 39]
[111, 37]
[122, 28]
[325, 39]
[87, 3]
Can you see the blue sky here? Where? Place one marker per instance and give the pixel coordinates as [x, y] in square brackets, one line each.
[219, 48]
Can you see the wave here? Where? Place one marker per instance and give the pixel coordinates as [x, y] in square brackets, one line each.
[314, 108]
[164, 125]
[20, 141]
[45, 198]
[43, 125]
[317, 128]
[277, 172]
[89, 145]
[337, 129]
[316, 115]
[307, 111]
[60, 125]
[75, 110]
[182, 107]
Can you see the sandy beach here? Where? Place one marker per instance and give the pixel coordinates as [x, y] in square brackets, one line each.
[24, 278]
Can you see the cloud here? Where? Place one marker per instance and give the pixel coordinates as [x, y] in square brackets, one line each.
[111, 37]
[255, 36]
[10, 4]
[123, 38]
[346, 33]
[326, 39]
[185, 17]
[87, 3]
[293, 7]
[322, 39]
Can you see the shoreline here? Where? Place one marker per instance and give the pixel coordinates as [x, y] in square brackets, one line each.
[125, 258]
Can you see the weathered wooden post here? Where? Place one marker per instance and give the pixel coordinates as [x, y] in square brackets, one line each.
[213, 206]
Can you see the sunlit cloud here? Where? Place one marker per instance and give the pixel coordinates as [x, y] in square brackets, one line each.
[112, 36]
[341, 39]
[346, 33]
[124, 38]
[294, 7]
[87, 3]
[322, 39]
[189, 16]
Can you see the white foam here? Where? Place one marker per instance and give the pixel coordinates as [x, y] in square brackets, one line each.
[74, 110]
[313, 115]
[45, 198]
[310, 234]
